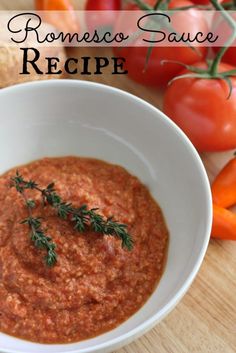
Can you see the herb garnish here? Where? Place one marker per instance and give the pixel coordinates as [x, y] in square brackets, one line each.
[37, 235]
[82, 218]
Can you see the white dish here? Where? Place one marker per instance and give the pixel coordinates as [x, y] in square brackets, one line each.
[67, 117]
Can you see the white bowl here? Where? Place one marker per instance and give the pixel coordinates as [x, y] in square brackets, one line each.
[56, 118]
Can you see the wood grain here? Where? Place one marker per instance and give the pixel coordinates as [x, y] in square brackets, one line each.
[205, 320]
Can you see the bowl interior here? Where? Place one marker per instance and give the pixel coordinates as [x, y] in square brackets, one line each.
[60, 118]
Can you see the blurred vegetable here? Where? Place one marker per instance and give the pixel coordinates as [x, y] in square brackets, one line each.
[201, 106]
[224, 223]
[224, 30]
[65, 21]
[107, 18]
[101, 5]
[230, 55]
[53, 5]
[224, 195]
[202, 99]
[153, 72]
[224, 186]
[203, 2]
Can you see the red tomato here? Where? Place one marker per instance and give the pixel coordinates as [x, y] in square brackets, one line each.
[96, 20]
[201, 109]
[230, 56]
[101, 5]
[157, 74]
[203, 2]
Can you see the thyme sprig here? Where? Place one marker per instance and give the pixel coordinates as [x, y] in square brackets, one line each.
[81, 217]
[40, 239]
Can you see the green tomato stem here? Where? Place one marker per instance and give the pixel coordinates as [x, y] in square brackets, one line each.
[229, 5]
[143, 6]
[213, 70]
[157, 4]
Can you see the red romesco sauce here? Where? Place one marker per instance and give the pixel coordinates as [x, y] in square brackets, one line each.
[95, 285]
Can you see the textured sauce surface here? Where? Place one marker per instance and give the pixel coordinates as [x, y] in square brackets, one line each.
[95, 285]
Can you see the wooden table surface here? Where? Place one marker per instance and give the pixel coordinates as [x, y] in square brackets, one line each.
[205, 320]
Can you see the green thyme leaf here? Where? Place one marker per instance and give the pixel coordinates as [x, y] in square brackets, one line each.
[82, 218]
